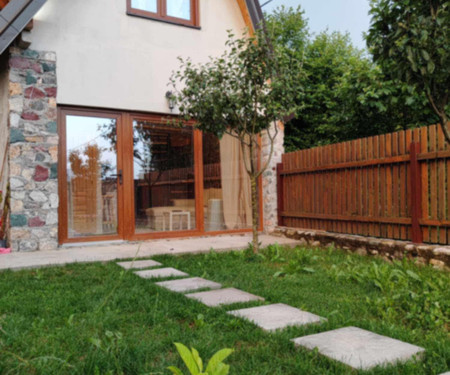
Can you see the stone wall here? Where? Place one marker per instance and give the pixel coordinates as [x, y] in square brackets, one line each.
[435, 255]
[269, 178]
[4, 129]
[33, 150]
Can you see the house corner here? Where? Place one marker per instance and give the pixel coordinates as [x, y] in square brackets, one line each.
[269, 177]
[33, 150]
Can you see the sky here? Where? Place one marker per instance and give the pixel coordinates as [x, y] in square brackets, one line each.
[336, 15]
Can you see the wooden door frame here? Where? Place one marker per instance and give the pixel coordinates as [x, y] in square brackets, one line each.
[126, 211]
[63, 223]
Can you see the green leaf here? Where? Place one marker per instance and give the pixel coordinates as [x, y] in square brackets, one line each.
[175, 370]
[197, 359]
[413, 275]
[431, 67]
[187, 358]
[425, 55]
[218, 358]
[222, 369]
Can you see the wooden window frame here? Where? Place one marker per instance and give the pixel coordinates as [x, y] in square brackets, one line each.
[161, 14]
[126, 229]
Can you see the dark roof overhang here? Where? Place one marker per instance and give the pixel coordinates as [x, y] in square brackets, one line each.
[255, 12]
[14, 17]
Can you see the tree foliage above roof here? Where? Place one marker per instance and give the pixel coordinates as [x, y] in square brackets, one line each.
[346, 95]
[410, 39]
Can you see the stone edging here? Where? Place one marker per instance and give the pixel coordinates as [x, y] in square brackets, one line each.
[435, 255]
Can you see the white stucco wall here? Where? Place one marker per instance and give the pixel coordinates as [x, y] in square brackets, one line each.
[108, 59]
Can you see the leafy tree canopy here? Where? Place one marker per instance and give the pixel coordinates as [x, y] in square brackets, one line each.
[410, 39]
[346, 95]
[242, 93]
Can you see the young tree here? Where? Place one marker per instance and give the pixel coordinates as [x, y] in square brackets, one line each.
[243, 93]
[411, 39]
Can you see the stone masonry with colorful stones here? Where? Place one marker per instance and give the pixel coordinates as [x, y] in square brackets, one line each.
[33, 151]
[269, 178]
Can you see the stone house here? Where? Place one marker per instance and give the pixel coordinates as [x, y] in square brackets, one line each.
[86, 151]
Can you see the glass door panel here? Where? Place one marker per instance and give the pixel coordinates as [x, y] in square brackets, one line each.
[164, 178]
[92, 176]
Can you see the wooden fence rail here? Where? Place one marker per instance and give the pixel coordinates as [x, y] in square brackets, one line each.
[394, 185]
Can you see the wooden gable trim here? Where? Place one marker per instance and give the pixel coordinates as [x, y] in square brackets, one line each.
[246, 15]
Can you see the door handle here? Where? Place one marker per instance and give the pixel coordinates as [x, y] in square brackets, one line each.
[119, 176]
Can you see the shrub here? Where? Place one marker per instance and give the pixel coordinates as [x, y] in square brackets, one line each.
[419, 299]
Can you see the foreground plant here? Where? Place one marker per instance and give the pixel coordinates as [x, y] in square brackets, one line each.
[244, 93]
[194, 363]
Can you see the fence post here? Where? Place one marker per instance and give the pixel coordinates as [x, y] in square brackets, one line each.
[280, 194]
[416, 193]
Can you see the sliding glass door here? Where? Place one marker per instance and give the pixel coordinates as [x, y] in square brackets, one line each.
[135, 177]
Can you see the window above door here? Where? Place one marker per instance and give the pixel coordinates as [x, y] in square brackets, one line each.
[180, 12]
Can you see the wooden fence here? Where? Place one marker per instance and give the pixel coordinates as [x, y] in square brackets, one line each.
[394, 185]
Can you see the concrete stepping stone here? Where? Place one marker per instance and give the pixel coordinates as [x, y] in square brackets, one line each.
[160, 273]
[188, 285]
[224, 297]
[446, 373]
[277, 316]
[358, 348]
[137, 264]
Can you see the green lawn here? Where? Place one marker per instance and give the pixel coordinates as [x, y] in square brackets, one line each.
[99, 319]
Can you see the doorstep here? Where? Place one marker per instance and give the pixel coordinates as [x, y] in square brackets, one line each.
[108, 252]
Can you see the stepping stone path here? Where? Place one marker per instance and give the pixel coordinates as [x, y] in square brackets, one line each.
[188, 285]
[446, 373]
[355, 347]
[160, 273]
[277, 316]
[359, 348]
[138, 264]
[223, 297]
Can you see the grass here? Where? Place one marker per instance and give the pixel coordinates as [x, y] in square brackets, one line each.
[99, 319]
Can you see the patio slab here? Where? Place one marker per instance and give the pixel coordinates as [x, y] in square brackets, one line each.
[160, 273]
[189, 285]
[277, 316]
[137, 264]
[358, 348]
[223, 297]
[104, 252]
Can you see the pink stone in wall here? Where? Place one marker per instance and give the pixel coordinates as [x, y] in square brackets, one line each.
[30, 116]
[51, 91]
[19, 63]
[36, 67]
[34, 93]
[40, 174]
[36, 222]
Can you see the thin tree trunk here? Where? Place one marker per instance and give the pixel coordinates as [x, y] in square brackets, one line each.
[444, 125]
[255, 216]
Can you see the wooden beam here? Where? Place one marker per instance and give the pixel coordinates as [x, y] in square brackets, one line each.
[246, 15]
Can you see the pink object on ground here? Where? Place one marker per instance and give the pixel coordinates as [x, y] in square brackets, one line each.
[4, 251]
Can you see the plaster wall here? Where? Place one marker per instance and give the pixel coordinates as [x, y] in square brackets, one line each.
[109, 59]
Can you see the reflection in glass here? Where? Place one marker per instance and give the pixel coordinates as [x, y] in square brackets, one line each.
[164, 185]
[227, 190]
[179, 9]
[91, 184]
[147, 5]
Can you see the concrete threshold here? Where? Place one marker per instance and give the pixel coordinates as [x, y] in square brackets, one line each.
[102, 252]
